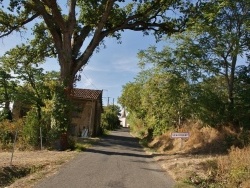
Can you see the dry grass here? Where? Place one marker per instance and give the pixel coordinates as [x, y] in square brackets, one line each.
[200, 162]
[234, 169]
[203, 140]
[30, 166]
[204, 160]
[38, 164]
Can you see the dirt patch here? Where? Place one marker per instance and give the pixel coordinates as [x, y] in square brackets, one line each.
[30, 166]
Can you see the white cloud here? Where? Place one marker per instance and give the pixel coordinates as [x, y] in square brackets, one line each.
[124, 64]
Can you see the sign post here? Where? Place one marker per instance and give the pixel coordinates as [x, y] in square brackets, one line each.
[181, 136]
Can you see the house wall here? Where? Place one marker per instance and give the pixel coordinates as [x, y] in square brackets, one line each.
[86, 118]
[123, 122]
[98, 118]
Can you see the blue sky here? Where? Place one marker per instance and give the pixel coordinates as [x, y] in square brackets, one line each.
[109, 69]
[115, 65]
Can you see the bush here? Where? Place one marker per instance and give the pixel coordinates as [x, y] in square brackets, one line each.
[8, 130]
[31, 131]
[109, 119]
[137, 126]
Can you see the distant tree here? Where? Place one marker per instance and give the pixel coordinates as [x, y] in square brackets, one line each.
[131, 98]
[158, 99]
[110, 119]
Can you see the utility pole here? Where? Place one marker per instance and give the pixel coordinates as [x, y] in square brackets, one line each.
[108, 101]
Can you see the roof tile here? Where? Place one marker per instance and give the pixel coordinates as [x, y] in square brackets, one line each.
[86, 93]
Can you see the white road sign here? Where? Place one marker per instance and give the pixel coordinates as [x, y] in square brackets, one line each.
[180, 135]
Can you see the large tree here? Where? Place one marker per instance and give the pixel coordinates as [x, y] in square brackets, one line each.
[78, 32]
[217, 43]
[224, 37]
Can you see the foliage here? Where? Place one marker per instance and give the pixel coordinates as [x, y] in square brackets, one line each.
[40, 92]
[137, 126]
[131, 98]
[231, 170]
[242, 96]
[23, 61]
[7, 90]
[52, 124]
[73, 36]
[31, 131]
[209, 104]
[109, 118]
[198, 77]
[222, 34]
[8, 130]
[60, 112]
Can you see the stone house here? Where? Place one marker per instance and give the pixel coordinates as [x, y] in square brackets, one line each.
[86, 115]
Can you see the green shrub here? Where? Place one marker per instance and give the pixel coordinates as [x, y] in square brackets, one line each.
[109, 119]
[31, 130]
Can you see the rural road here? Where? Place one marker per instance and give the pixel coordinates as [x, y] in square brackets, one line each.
[116, 161]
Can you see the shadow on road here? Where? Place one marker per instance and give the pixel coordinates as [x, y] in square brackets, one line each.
[117, 153]
[118, 142]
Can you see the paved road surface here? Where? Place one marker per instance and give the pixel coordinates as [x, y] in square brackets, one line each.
[117, 161]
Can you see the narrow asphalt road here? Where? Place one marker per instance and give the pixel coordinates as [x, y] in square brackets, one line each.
[116, 161]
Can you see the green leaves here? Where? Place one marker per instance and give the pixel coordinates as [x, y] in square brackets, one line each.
[196, 77]
[109, 118]
[7, 90]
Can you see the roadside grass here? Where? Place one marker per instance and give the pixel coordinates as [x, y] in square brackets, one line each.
[228, 171]
[33, 165]
[81, 144]
[210, 158]
[234, 169]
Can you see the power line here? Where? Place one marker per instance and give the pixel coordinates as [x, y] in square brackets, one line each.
[89, 80]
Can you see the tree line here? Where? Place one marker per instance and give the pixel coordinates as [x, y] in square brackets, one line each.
[70, 31]
[210, 36]
[203, 75]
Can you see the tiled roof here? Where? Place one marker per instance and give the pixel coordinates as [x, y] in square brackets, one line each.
[86, 93]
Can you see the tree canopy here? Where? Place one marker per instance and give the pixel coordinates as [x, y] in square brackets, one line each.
[74, 35]
[203, 76]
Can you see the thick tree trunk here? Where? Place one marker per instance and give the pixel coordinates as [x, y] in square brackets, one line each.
[67, 78]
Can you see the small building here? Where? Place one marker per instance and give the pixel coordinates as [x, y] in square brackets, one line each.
[86, 115]
[123, 118]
